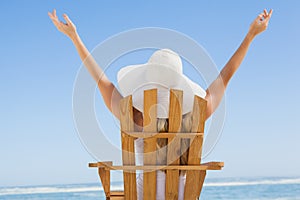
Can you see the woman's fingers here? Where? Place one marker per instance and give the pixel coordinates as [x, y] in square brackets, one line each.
[54, 13]
[52, 18]
[264, 16]
[270, 13]
[56, 22]
[267, 19]
[50, 15]
[266, 13]
[67, 19]
[67, 28]
[261, 22]
[259, 17]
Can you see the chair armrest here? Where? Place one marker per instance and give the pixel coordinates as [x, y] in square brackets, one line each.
[204, 166]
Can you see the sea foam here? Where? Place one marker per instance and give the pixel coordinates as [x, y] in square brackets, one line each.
[119, 186]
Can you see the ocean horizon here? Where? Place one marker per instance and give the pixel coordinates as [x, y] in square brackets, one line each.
[265, 188]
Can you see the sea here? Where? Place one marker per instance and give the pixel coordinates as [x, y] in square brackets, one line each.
[264, 188]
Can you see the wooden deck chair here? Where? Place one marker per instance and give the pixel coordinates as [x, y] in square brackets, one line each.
[195, 172]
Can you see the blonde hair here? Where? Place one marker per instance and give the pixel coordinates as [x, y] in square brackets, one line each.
[162, 126]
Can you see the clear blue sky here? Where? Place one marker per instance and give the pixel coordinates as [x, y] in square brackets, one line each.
[39, 143]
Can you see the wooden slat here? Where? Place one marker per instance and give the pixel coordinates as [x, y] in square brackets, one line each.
[202, 175]
[117, 198]
[199, 114]
[149, 125]
[195, 150]
[173, 155]
[117, 193]
[104, 175]
[206, 166]
[163, 135]
[128, 156]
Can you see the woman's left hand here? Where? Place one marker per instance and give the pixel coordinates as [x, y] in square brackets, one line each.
[68, 28]
[260, 23]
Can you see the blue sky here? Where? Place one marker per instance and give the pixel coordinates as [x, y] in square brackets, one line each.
[39, 143]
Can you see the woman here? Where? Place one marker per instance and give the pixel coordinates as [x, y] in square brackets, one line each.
[212, 95]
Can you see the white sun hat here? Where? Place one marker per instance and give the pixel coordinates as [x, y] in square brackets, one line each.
[163, 71]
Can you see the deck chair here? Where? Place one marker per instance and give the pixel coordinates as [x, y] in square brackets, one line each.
[195, 172]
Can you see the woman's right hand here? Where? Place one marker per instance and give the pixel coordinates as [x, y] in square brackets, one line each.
[68, 28]
[260, 24]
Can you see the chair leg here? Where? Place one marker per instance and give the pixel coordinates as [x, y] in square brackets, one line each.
[104, 175]
[201, 182]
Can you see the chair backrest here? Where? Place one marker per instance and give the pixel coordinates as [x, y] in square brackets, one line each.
[174, 139]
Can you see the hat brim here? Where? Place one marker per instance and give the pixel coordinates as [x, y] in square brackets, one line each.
[134, 79]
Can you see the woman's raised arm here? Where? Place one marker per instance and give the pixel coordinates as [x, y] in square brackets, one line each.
[108, 91]
[216, 90]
